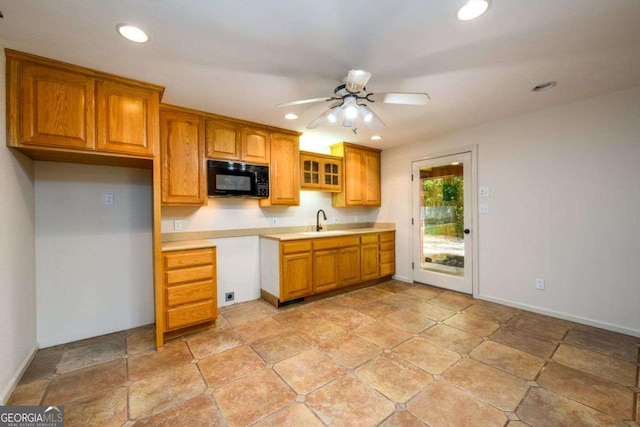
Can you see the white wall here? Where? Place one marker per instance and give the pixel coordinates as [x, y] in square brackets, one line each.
[17, 259]
[565, 197]
[94, 262]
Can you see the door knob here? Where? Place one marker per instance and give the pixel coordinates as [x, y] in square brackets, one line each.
[467, 231]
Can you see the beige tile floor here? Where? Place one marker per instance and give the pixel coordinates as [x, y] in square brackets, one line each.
[392, 355]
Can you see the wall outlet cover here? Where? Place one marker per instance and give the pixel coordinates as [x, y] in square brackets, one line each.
[483, 208]
[540, 284]
[177, 225]
[483, 192]
[229, 296]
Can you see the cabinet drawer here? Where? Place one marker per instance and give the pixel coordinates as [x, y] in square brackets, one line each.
[386, 257]
[180, 259]
[190, 314]
[189, 275]
[387, 237]
[297, 246]
[388, 246]
[387, 269]
[336, 242]
[369, 238]
[192, 292]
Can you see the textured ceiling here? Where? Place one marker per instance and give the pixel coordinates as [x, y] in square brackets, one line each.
[241, 58]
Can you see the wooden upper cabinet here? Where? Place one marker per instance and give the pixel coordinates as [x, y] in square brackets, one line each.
[320, 172]
[127, 118]
[361, 175]
[57, 108]
[226, 140]
[182, 154]
[222, 140]
[284, 180]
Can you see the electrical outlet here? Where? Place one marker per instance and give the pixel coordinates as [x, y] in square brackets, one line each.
[229, 296]
[483, 192]
[274, 221]
[540, 284]
[335, 220]
[177, 225]
[483, 208]
[109, 199]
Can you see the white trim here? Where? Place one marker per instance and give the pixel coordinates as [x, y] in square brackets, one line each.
[473, 149]
[564, 316]
[6, 394]
[402, 278]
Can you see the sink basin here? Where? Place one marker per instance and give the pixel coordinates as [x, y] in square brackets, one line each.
[323, 233]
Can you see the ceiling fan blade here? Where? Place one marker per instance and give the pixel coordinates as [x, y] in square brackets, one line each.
[356, 80]
[400, 98]
[322, 117]
[304, 101]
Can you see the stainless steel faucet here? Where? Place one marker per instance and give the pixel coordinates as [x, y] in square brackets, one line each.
[324, 215]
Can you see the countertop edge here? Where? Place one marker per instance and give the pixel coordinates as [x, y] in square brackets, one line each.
[187, 244]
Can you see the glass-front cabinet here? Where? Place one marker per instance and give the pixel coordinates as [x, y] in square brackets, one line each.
[320, 172]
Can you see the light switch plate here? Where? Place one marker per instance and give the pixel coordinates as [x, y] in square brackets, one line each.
[177, 225]
[483, 192]
[109, 199]
[483, 208]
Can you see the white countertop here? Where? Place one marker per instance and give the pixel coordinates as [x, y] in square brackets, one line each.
[187, 244]
[328, 233]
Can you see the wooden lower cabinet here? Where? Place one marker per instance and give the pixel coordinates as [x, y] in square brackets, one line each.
[369, 261]
[325, 270]
[189, 284]
[387, 253]
[297, 268]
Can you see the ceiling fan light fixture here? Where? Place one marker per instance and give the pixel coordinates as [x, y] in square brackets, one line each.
[332, 117]
[350, 112]
[473, 9]
[290, 116]
[376, 138]
[132, 33]
[356, 80]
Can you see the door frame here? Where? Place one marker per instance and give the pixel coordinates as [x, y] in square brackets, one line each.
[475, 229]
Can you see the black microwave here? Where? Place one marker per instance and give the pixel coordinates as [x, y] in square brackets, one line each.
[230, 179]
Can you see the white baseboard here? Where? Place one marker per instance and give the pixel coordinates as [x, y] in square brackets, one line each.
[560, 315]
[402, 278]
[8, 389]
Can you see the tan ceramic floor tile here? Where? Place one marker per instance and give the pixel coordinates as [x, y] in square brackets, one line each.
[394, 286]
[43, 364]
[409, 321]
[28, 394]
[431, 311]
[89, 342]
[252, 397]
[383, 334]
[422, 292]
[309, 370]
[350, 351]
[245, 313]
[143, 340]
[278, 347]
[443, 405]
[606, 367]
[347, 401]
[374, 293]
[452, 338]
[92, 354]
[452, 301]
[326, 307]
[402, 419]
[493, 386]
[108, 409]
[472, 324]
[376, 309]
[393, 377]
[637, 414]
[215, 342]
[223, 367]
[199, 411]
[615, 336]
[400, 301]
[612, 399]
[260, 328]
[540, 327]
[151, 363]
[160, 392]
[319, 331]
[510, 360]
[493, 314]
[352, 299]
[349, 319]
[295, 415]
[525, 341]
[542, 408]
[85, 382]
[295, 317]
[426, 355]
[604, 344]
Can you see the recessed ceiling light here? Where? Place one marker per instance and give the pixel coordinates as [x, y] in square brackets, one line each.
[376, 137]
[132, 33]
[472, 9]
[544, 86]
[290, 116]
[455, 163]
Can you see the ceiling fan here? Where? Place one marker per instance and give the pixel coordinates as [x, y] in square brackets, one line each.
[350, 102]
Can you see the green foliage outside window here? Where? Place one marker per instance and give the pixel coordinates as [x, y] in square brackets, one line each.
[442, 192]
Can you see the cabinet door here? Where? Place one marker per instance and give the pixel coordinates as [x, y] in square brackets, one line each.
[325, 270]
[332, 175]
[222, 140]
[349, 266]
[372, 179]
[182, 155]
[58, 108]
[369, 261]
[310, 172]
[255, 146]
[284, 171]
[296, 276]
[355, 177]
[127, 118]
